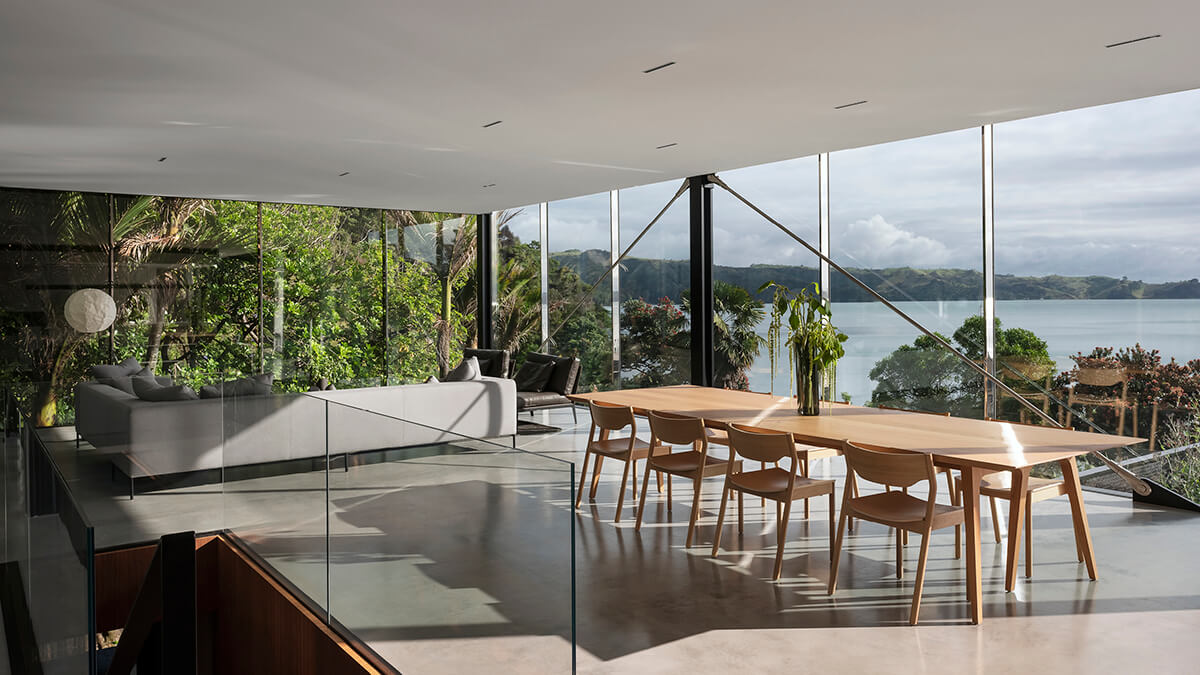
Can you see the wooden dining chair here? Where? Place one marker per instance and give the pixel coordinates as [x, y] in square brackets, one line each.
[774, 483]
[607, 418]
[999, 486]
[893, 509]
[695, 464]
[951, 485]
[806, 453]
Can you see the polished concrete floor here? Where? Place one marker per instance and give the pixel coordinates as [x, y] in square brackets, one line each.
[459, 560]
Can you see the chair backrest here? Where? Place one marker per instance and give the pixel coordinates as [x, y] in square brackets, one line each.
[565, 378]
[761, 446]
[1100, 377]
[901, 469]
[676, 429]
[492, 362]
[611, 417]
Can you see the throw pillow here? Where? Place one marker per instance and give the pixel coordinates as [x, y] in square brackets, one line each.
[148, 389]
[432, 379]
[125, 368]
[209, 391]
[485, 365]
[255, 385]
[533, 375]
[464, 372]
[124, 382]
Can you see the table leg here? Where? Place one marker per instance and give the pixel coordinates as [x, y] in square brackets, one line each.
[971, 477]
[1017, 504]
[1071, 478]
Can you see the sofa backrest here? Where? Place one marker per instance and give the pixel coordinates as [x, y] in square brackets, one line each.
[566, 372]
[497, 360]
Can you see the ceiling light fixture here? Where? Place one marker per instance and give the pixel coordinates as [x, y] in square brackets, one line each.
[668, 145]
[490, 185]
[665, 65]
[492, 124]
[1129, 42]
[849, 105]
[344, 173]
[162, 159]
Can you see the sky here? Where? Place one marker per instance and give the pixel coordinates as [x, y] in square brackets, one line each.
[1112, 190]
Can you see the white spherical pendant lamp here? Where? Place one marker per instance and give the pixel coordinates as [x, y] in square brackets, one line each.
[90, 310]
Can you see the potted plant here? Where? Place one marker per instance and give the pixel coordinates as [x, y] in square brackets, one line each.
[814, 345]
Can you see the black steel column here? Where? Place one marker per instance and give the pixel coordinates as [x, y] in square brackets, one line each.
[700, 201]
[385, 325]
[262, 326]
[485, 275]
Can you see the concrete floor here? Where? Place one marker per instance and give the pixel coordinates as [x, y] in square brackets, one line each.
[459, 560]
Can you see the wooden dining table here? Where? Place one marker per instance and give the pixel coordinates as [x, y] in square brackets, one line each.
[975, 447]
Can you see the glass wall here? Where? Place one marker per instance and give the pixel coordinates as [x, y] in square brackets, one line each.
[654, 280]
[905, 218]
[1097, 256]
[191, 303]
[749, 251]
[580, 246]
[518, 317]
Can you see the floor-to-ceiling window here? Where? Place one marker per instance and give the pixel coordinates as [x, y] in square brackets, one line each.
[1097, 255]
[749, 251]
[580, 245]
[654, 281]
[905, 218]
[518, 318]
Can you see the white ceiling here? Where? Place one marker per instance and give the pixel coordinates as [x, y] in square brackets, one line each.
[272, 99]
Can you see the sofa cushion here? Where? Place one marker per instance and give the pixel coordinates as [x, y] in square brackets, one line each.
[464, 372]
[566, 371]
[533, 375]
[492, 362]
[124, 382]
[148, 389]
[125, 368]
[533, 399]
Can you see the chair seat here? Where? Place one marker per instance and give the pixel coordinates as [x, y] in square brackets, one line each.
[774, 481]
[1000, 485]
[689, 461]
[1090, 399]
[533, 399]
[619, 447]
[897, 507]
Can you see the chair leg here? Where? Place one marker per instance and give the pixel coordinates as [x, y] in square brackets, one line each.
[1028, 538]
[668, 493]
[583, 479]
[625, 480]
[741, 510]
[899, 554]
[955, 500]
[658, 477]
[783, 521]
[720, 519]
[804, 474]
[632, 463]
[696, 483]
[916, 603]
[832, 519]
[995, 519]
[641, 505]
[836, 553]
[599, 461]
[575, 414]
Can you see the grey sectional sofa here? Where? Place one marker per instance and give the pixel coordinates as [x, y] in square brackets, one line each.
[150, 439]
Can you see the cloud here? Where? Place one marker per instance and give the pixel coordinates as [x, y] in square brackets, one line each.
[874, 242]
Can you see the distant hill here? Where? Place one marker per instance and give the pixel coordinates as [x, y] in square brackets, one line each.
[654, 279]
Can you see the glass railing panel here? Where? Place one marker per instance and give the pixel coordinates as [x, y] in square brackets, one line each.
[272, 461]
[49, 542]
[442, 545]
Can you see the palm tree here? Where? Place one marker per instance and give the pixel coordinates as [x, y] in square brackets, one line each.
[736, 342]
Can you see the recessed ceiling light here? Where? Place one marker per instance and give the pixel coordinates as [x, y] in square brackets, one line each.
[1129, 42]
[668, 145]
[651, 70]
[344, 173]
[492, 124]
[162, 159]
[490, 185]
[849, 105]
